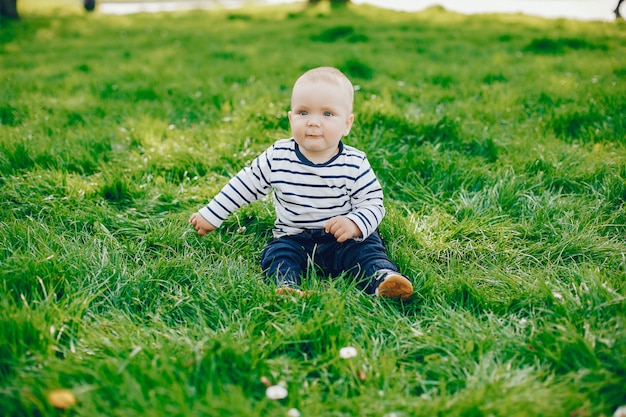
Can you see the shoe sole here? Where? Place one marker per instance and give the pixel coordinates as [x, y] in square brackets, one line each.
[293, 292]
[395, 286]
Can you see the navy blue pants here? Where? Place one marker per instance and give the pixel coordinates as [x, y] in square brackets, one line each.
[285, 258]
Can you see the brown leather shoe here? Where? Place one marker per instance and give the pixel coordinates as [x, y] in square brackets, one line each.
[293, 292]
[395, 286]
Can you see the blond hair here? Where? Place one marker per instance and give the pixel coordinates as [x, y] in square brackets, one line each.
[332, 76]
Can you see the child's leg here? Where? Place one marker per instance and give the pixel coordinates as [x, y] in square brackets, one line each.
[364, 259]
[372, 265]
[283, 260]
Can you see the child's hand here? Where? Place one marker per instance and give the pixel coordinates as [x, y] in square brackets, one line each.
[342, 228]
[201, 225]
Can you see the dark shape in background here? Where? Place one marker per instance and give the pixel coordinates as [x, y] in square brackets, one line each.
[90, 5]
[616, 11]
[8, 8]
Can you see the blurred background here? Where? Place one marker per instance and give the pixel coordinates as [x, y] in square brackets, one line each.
[572, 9]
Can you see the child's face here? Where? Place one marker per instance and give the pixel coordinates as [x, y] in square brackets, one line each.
[320, 115]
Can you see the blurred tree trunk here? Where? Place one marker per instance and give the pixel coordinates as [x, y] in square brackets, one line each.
[8, 9]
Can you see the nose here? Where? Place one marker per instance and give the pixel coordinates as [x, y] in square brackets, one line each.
[313, 121]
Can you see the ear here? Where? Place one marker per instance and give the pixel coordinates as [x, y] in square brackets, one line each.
[289, 115]
[349, 122]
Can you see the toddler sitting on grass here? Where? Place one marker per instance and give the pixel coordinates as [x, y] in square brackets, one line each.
[328, 200]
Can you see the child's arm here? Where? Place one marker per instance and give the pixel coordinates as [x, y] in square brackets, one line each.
[247, 186]
[366, 202]
[200, 224]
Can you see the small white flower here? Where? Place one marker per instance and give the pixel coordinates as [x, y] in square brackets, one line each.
[276, 392]
[523, 322]
[620, 412]
[348, 352]
[293, 412]
[557, 295]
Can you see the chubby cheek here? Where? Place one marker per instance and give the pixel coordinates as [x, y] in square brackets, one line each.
[292, 124]
[297, 129]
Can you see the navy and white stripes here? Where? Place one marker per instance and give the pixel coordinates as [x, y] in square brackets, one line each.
[305, 195]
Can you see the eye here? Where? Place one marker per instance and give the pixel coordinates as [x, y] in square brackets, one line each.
[328, 114]
[303, 112]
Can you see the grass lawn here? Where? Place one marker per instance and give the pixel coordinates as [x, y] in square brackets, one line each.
[500, 142]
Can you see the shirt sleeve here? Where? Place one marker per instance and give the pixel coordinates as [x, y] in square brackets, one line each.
[367, 201]
[250, 184]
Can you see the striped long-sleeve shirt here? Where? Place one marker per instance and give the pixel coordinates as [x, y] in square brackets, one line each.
[305, 195]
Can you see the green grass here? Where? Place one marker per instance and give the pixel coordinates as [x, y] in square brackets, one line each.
[500, 141]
